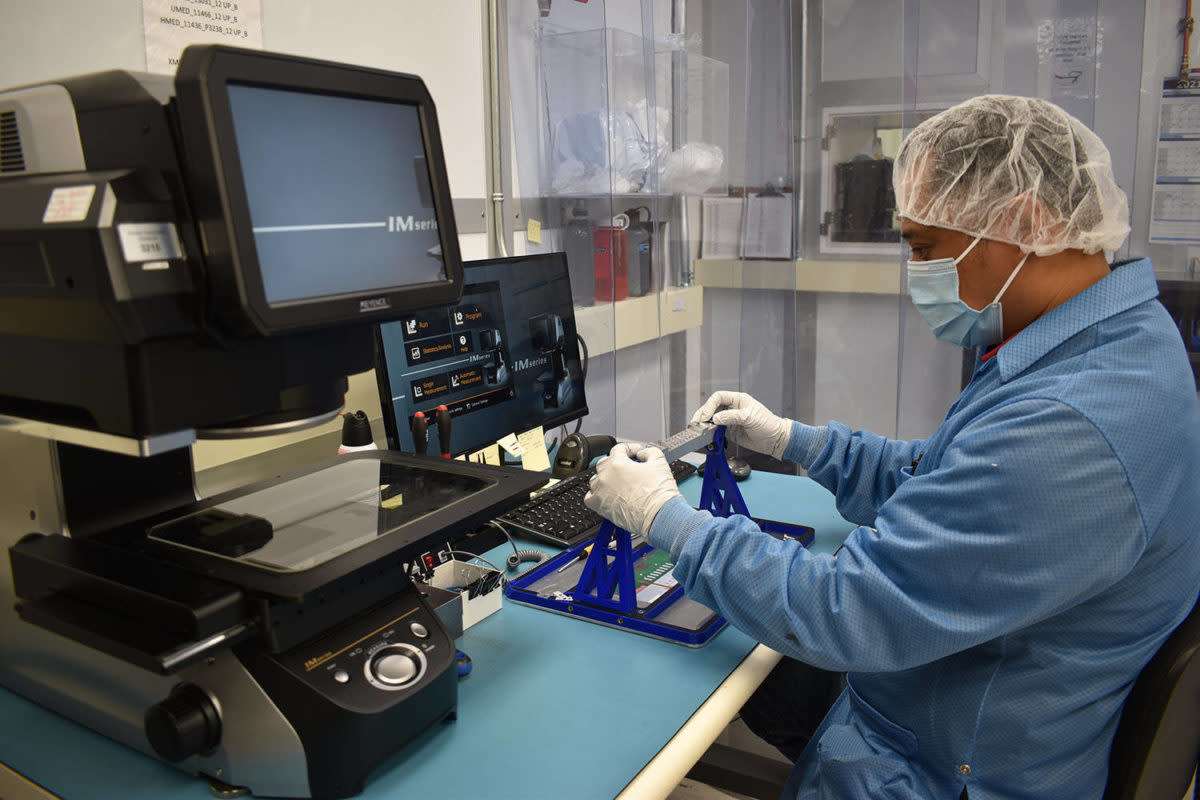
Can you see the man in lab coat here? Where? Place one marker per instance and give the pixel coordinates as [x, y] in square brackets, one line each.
[1015, 570]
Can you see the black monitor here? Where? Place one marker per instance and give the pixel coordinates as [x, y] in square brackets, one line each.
[322, 186]
[503, 360]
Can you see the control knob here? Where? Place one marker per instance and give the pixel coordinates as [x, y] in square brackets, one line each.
[395, 667]
[184, 724]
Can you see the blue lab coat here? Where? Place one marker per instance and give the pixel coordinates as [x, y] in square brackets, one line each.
[1013, 573]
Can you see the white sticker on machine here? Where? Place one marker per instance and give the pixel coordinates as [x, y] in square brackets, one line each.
[149, 241]
[69, 204]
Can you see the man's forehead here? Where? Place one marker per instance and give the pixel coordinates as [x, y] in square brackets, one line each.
[931, 234]
[908, 229]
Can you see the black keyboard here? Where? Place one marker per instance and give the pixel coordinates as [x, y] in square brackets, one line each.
[558, 515]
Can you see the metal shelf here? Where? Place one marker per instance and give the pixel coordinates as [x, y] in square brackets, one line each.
[624, 323]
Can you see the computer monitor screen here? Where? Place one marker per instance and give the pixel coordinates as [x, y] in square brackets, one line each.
[505, 359]
[319, 190]
[339, 193]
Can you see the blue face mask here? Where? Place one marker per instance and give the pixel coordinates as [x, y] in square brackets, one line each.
[933, 286]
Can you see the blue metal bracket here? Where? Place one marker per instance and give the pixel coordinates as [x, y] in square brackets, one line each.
[601, 579]
[721, 497]
[719, 494]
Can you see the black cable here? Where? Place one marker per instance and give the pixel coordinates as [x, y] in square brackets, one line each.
[640, 208]
[583, 368]
[583, 346]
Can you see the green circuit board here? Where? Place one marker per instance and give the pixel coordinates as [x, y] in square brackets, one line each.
[651, 567]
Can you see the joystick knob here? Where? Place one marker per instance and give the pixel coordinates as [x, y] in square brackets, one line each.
[184, 724]
[395, 667]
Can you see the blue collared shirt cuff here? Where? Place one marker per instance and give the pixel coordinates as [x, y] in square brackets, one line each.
[674, 524]
[806, 443]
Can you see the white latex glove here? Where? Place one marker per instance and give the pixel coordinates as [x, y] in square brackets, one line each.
[747, 421]
[630, 486]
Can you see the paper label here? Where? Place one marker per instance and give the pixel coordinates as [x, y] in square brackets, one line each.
[488, 455]
[511, 445]
[1067, 51]
[1175, 199]
[768, 231]
[171, 25]
[535, 457]
[721, 227]
[149, 241]
[533, 231]
[69, 204]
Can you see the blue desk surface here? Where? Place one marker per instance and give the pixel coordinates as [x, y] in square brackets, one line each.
[555, 707]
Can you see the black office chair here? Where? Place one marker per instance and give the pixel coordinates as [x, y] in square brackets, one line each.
[1155, 750]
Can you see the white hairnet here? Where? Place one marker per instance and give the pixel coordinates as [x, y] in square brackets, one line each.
[1012, 169]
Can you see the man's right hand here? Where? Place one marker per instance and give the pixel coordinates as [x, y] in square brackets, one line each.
[748, 422]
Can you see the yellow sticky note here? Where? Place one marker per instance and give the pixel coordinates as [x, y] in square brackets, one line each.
[533, 231]
[535, 456]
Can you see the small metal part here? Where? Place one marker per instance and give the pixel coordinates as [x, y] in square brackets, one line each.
[225, 791]
[694, 437]
[193, 651]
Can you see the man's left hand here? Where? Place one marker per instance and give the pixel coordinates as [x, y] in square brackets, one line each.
[630, 486]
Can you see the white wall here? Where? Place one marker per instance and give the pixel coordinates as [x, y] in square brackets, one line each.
[442, 42]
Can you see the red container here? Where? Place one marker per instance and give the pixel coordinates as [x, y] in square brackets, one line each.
[611, 246]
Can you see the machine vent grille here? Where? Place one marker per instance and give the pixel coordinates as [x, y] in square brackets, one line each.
[12, 157]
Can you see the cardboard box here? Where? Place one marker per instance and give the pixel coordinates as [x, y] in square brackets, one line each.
[480, 588]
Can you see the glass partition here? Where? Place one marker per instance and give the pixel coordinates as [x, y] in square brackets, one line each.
[606, 143]
[776, 264]
[757, 333]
